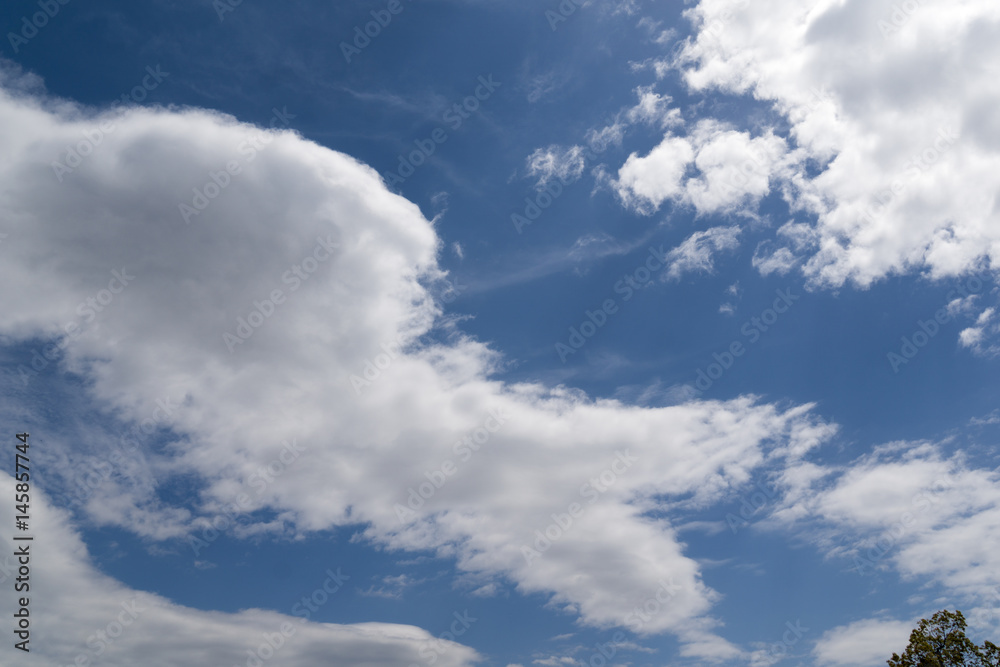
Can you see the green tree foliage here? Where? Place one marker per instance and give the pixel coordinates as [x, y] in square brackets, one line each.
[941, 642]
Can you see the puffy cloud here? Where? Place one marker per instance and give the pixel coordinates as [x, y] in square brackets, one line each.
[982, 336]
[733, 170]
[896, 159]
[276, 305]
[644, 183]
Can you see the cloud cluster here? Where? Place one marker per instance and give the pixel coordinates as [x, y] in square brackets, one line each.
[908, 508]
[895, 154]
[322, 274]
[731, 170]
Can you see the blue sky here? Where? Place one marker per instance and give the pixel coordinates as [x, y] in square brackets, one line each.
[752, 245]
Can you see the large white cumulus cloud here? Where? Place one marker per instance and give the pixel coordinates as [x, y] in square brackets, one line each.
[896, 156]
[353, 263]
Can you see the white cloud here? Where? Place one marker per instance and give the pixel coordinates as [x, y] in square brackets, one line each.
[907, 507]
[866, 643]
[984, 336]
[893, 108]
[653, 109]
[322, 366]
[697, 251]
[644, 183]
[773, 260]
[556, 162]
[733, 170]
[71, 602]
